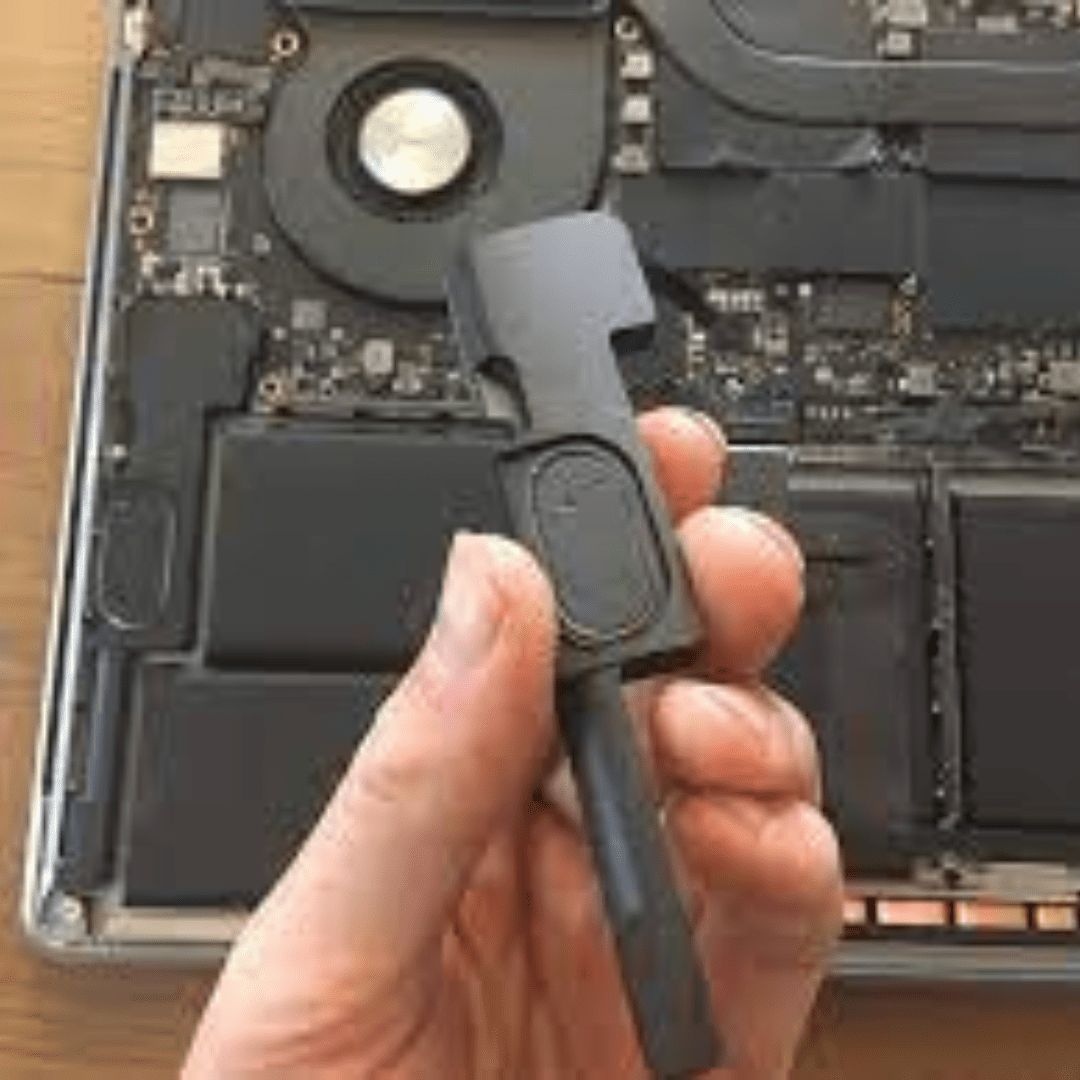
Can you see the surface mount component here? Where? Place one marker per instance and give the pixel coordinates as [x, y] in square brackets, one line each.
[187, 150]
[197, 220]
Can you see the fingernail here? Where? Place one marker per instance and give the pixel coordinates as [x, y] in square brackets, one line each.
[773, 531]
[704, 422]
[471, 608]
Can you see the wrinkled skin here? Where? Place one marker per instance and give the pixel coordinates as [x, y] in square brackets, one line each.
[443, 919]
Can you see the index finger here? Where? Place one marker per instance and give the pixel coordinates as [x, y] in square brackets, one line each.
[689, 455]
[746, 569]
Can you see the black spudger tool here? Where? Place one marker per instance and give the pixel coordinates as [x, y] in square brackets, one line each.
[541, 312]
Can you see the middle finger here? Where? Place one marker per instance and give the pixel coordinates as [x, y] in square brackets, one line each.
[748, 576]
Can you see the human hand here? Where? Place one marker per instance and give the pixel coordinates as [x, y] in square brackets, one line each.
[443, 920]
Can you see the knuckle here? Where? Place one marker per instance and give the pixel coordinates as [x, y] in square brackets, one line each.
[806, 843]
[801, 747]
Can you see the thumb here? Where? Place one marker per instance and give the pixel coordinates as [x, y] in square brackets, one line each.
[457, 749]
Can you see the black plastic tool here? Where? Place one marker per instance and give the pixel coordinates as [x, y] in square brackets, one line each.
[541, 311]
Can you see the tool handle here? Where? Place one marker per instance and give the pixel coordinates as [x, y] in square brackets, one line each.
[665, 984]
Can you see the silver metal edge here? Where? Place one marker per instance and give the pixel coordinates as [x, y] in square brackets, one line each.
[950, 965]
[70, 572]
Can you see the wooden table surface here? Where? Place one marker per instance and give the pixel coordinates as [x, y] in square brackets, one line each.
[117, 1024]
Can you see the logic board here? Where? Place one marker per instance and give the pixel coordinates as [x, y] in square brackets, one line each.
[861, 223]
